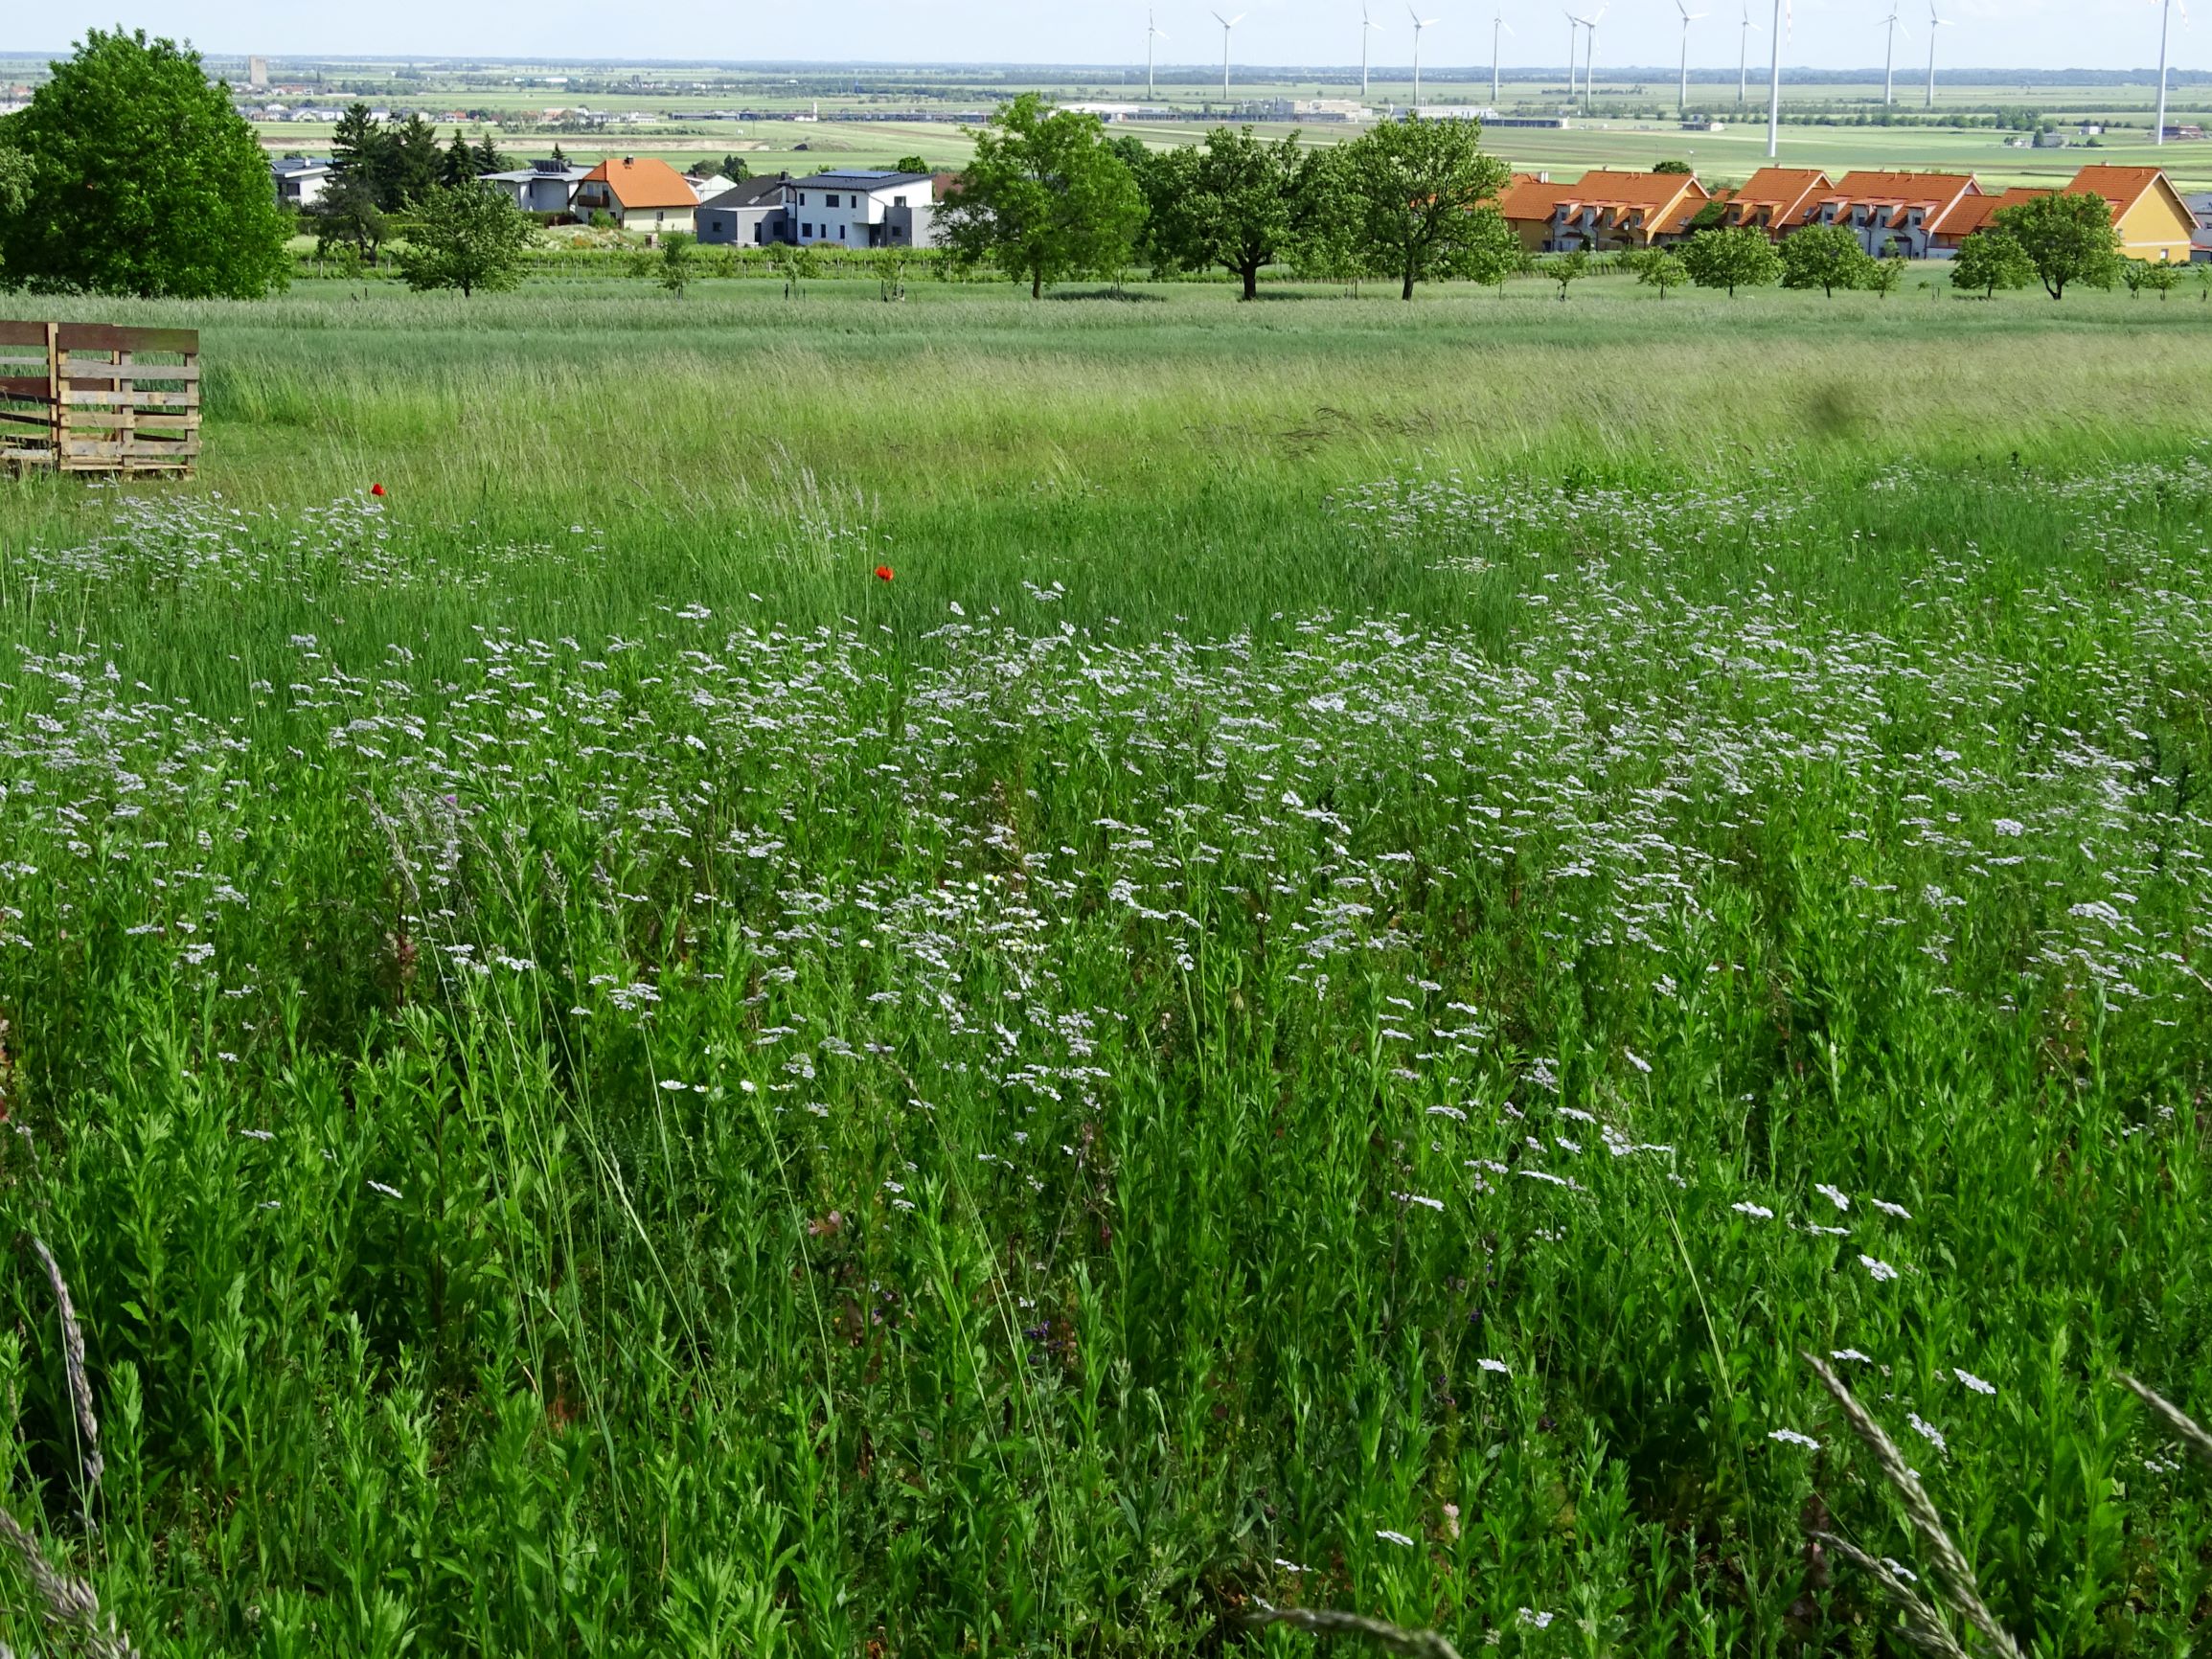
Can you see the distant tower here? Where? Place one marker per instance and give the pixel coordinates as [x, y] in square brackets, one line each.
[257, 74]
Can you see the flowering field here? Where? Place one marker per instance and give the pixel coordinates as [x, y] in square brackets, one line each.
[838, 1105]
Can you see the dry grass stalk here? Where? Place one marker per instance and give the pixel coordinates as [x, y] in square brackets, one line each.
[1922, 1626]
[1954, 1575]
[73, 1361]
[1320, 1621]
[69, 1605]
[2186, 1429]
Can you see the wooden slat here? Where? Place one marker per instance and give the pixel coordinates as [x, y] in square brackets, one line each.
[101, 337]
[131, 399]
[74, 370]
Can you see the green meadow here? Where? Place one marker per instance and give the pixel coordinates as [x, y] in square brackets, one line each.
[800, 976]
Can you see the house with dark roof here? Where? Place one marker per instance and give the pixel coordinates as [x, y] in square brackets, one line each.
[543, 187]
[751, 214]
[300, 180]
[863, 208]
[1601, 211]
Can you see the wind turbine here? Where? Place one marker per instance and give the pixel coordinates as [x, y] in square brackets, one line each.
[1573, 24]
[1229, 25]
[1496, 24]
[1153, 32]
[2165, 30]
[1893, 23]
[1934, 24]
[1744, 58]
[1418, 24]
[1368, 27]
[1774, 83]
[1682, 98]
[1590, 57]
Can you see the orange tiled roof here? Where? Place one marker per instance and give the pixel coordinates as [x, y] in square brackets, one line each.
[1616, 194]
[1782, 191]
[2121, 186]
[642, 182]
[1905, 189]
[1970, 213]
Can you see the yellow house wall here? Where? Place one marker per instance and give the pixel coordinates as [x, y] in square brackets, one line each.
[2155, 228]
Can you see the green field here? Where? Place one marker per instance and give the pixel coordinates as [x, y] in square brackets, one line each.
[1390, 911]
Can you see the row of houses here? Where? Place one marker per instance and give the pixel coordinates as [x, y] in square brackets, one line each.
[851, 209]
[1915, 215]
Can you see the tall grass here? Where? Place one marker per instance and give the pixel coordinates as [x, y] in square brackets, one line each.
[1309, 1007]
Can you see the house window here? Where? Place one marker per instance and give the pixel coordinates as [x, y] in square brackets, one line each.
[806, 229]
[802, 198]
[659, 217]
[829, 201]
[898, 201]
[840, 233]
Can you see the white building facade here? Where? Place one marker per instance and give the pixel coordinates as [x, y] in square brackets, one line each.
[862, 210]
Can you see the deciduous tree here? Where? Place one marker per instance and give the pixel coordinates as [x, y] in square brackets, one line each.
[1564, 269]
[1990, 260]
[1740, 257]
[141, 179]
[2068, 239]
[467, 237]
[1425, 196]
[1824, 257]
[1661, 268]
[1233, 201]
[1044, 198]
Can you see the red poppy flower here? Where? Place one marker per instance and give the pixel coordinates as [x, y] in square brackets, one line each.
[375, 489]
[882, 572]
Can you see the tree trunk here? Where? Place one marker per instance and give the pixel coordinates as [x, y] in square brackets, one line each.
[1251, 281]
[1406, 293]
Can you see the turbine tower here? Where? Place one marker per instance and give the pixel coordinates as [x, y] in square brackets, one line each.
[1682, 98]
[1934, 24]
[1153, 32]
[1591, 59]
[1893, 23]
[1774, 86]
[1496, 24]
[1228, 27]
[1743, 59]
[1574, 24]
[1368, 27]
[2165, 32]
[1418, 24]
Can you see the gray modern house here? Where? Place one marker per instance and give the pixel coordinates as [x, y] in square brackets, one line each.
[750, 216]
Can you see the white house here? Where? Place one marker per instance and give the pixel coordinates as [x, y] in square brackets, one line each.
[863, 210]
[543, 187]
[300, 180]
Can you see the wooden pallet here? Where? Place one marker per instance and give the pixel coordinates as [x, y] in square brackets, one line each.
[93, 398]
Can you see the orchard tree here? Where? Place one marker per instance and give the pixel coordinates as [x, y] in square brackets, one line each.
[1824, 257]
[2068, 239]
[1737, 258]
[1425, 196]
[138, 177]
[1661, 268]
[1044, 198]
[467, 236]
[1564, 269]
[1990, 260]
[1330, 245]
[1885, 276]
[1232, 202]
[679, 261]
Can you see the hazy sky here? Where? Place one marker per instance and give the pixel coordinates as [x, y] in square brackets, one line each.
[1842, 34]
